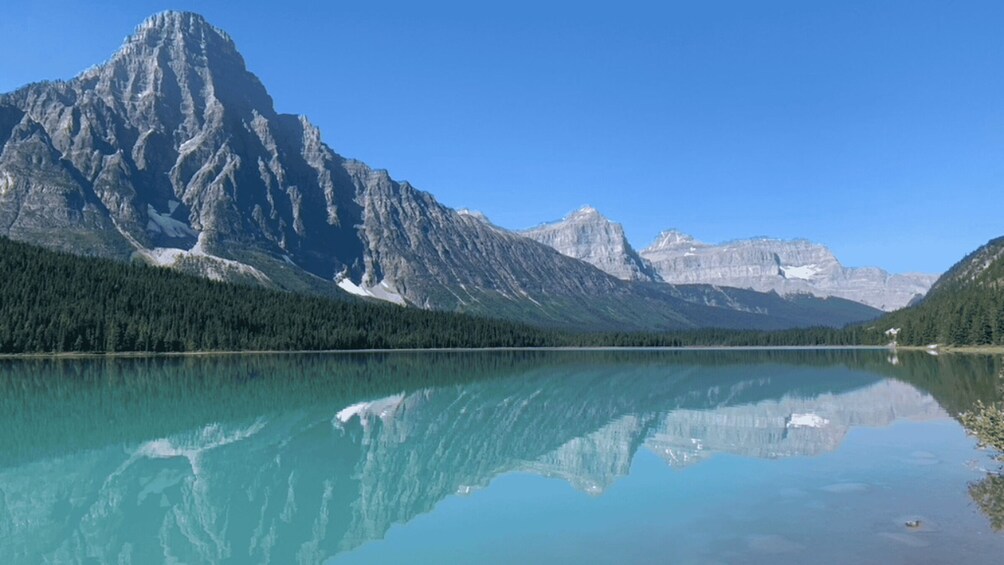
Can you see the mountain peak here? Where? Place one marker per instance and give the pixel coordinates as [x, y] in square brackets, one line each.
[177, 34]
[175, 68]
[589, 236]
[585, 212]
[176, 22]
[671, 238]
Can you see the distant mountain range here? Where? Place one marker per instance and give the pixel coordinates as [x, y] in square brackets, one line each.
[762, 264]
[172, 153]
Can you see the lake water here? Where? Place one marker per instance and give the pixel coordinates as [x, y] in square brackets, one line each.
[497, 457]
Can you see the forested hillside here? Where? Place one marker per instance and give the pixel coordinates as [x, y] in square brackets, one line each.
[54, 302]
[965, 306]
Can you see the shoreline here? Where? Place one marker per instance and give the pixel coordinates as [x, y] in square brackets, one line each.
[142, 354]
[961, 350]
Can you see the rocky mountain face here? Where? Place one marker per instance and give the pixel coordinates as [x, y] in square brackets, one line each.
[787, 267]
[760, 264]
[589, 236]
[171, 152]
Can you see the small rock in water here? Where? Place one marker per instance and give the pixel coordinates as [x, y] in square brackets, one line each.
[916, 523]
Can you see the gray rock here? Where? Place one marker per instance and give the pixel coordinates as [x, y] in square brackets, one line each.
[795, 266]
[589, 236]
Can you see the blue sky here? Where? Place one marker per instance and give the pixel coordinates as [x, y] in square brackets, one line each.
[873, 126]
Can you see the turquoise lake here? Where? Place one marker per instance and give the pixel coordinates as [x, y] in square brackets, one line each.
[782, 456]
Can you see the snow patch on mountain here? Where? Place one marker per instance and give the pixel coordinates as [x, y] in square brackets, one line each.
[197, 259]
[381, 291]
[805, 272]
[6, 183]
[784, 266]
[167, 225]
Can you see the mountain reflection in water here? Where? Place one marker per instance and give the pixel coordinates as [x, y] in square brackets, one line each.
[296, 458]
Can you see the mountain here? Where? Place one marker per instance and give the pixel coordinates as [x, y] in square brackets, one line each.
[765, 264]
[964, 307]
[56, 302]
[589, 236]
[172, 153]
[981, 269]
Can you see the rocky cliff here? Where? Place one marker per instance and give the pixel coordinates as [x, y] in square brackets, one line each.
[765, 264]
[589, 236]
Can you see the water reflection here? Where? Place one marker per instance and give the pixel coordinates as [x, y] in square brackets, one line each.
[298, 458]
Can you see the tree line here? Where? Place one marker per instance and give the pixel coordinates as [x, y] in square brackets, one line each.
[57, 302]
[53, 302]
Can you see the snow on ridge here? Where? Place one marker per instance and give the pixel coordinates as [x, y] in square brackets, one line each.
[668, 239]
[381, 291]
[584, 212]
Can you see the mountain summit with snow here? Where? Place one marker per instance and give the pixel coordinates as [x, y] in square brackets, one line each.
[784, 266]
[764, 264]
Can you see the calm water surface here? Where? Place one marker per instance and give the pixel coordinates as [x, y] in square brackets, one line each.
[605, 457]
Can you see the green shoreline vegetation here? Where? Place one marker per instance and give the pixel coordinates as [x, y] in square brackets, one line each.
[53, 302]
[57, 303]
[986, 422]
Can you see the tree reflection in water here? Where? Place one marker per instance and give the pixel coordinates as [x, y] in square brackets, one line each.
[986, 422]
[988, 494]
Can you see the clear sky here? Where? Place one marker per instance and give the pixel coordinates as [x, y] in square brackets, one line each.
[873, 126]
